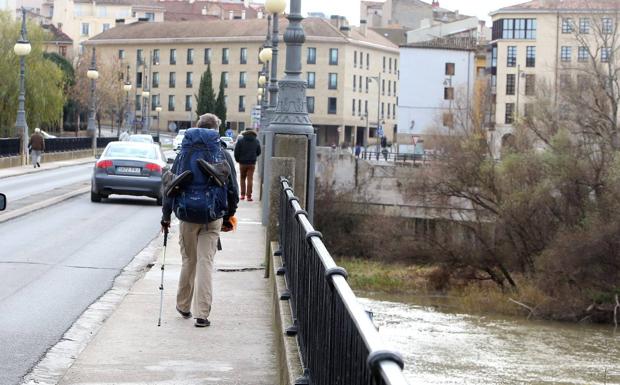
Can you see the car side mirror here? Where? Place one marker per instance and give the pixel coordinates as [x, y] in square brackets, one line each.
[170, 160]
[2, 202]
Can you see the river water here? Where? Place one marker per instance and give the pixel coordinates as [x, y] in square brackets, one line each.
[449, 348]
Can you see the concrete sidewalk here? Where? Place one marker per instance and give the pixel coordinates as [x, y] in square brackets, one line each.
[238, 347]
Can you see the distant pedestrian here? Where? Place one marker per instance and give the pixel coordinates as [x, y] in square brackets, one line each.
[358, 150]
[37, 146]
[124, 136]
[247, 150]
[200, 219]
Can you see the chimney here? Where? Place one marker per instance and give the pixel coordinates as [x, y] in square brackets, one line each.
[363, 27]
[335, 21]
[119, 21]
[345, 30]
[243, 14]
[231, 15]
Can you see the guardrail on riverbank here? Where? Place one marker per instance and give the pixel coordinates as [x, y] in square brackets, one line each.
[338, 342]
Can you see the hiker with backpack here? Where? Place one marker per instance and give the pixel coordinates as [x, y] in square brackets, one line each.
[247, 150]
[201, 192]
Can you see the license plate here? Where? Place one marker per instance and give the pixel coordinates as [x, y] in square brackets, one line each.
[129, 170]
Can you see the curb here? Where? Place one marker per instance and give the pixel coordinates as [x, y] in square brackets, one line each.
[43, 204]
[59, 358]
[55, 167]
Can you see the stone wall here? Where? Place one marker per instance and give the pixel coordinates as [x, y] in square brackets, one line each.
[14, 161]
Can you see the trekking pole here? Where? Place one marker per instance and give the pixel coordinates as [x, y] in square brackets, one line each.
[161, 286]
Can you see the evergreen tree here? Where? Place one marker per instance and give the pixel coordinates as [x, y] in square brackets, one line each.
[205, 100]
[220, 106]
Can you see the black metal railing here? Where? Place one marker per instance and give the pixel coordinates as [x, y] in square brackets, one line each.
[9, 146]
[75, 144]
[393, 156]
[338, 341]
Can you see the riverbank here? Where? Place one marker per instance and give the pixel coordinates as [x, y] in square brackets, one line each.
[379, 279]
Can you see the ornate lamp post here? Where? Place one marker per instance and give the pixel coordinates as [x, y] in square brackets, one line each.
[275, 7]
[21, 49]
[93, 75]
[145, 109]
[127, 88]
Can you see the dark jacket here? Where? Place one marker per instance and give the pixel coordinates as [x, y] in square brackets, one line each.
[247, 148]
[37, 143]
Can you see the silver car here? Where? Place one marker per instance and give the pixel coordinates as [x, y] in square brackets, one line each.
[129, 168]
[176, 142]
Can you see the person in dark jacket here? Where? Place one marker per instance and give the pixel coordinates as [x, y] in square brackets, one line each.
[247, 150]
[37, 146]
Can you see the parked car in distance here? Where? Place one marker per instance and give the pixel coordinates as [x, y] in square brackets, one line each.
[176, 142]
[47, 136]
[144, 138]
[129, 168]
[230, 143]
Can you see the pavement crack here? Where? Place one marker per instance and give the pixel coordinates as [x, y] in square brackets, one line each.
[57, 265]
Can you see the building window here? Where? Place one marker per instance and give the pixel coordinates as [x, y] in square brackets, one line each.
[384, 64]
[243, 79]
[605, 54]
[565, 53]
[155, 57]
[383, 87]
[354, 59]
[311, 80]
[139, 57]
[353, 108]
[450, 69]
[361, 59]
[389, 88]
[530, 56]
[171, 103]
[105, 27]
[582, 54]
[567, 25]
[584, 25]
[528, 110]
[448, 93]
[395, 67]
[189, 80]
[310, 104]
[311, 55]
[155, 79]
[510, 84]
[243, 56]
[332, 106]
[150, 16]
[509, 114]
[511, 56]
[172, 80]
[359, 107]
[207, 54]
[225, 78]
[390, 65]
[607, 25]
[138, 79]
[241, 103]
[366, 107]
[333, 81]
[448, 119]
[190, 56]
[367, 61]
[173, 56]
[530, 84]
[154, 102]
[382, 110]
[188, 102]
[565, 81]
[225, 55]
[333, 56]
[514, 29]
[394, 110]
[367, 81]
[138, 103]
[360, 83]
[354, 83]
[121, 54]
[85, 29]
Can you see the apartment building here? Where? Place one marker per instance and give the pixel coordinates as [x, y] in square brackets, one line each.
[351, 74]
[539, 41]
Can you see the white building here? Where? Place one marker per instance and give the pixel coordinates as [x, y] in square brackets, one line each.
[433, 75]
[8, 5]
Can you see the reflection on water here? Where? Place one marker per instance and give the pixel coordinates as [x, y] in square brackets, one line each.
[443, 348]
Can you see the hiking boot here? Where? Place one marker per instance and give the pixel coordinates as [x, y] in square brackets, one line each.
[184, 314]
[202, 322]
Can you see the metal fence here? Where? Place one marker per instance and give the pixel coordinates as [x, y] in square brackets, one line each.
[393, 156]
[338, 341]
[75, 144]
[9, 146]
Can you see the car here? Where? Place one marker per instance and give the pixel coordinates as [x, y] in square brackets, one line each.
[129, 168]
[47, 136]
[2, 201]
[230, 143]
[176, 142]
[144, 138]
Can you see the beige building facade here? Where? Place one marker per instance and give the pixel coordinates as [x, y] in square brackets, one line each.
[539, 42]
[342, 67]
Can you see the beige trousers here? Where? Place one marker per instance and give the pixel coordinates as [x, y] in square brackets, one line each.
[198, 246]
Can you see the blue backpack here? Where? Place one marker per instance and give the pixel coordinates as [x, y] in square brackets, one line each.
[202, 199]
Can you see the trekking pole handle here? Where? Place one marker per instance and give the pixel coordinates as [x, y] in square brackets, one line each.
[165, 237]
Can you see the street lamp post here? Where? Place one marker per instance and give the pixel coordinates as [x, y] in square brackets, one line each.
[21, 49]
[127, 88]
[158, 109]
[378, 80]
[145, 106]
[275, 7]
[93, 75]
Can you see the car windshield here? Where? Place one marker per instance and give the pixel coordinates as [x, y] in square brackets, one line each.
[141, 138]
[120, 150]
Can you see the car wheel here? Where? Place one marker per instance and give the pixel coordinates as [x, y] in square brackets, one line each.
[94, 197]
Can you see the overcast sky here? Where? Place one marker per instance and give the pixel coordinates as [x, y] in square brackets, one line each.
[351, 8]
